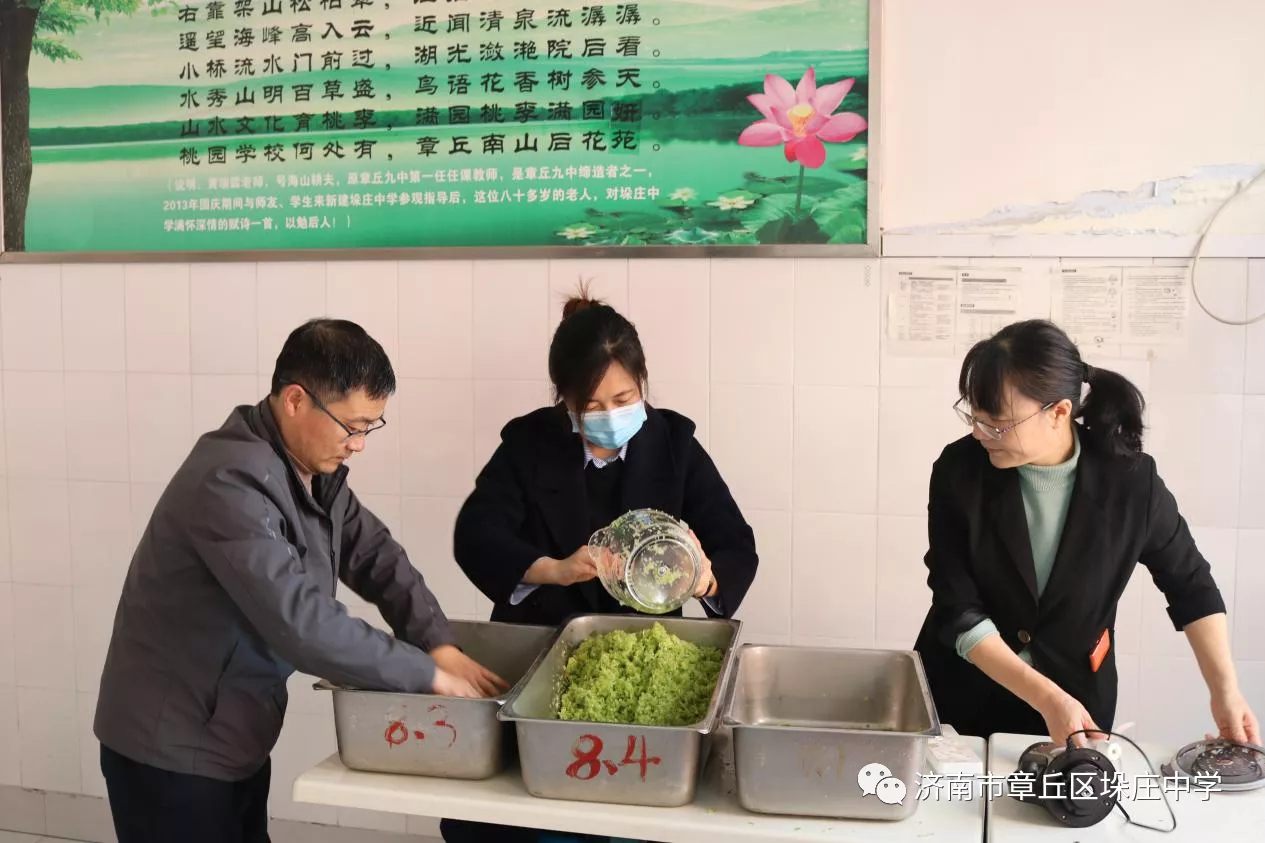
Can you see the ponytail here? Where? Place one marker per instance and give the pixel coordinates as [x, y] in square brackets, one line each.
[1112, 412]
[1037, 358]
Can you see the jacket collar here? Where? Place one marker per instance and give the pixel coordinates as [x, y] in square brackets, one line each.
[1079, 540]
[325, 487]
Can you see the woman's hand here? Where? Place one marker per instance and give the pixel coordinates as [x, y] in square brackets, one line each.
[707, 585]
[466, 671]
[1210, 639]
[1234, 718]
[576, 568]
[1064, 716]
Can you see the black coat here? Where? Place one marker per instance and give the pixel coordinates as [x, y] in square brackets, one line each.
[530, 501]
[980, 565]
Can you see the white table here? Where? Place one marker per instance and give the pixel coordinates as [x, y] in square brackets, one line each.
[715, 813]
[1219, 815]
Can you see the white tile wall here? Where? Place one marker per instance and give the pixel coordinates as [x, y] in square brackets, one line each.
[8, 662]
[752, 434]
[159, 424]
[1222, 286]
[44, 626]
[107, 373]
[753, 322]
[215, 396]
[836, 323]
[512, 314]
[96, 426]
[89, 750]
[669, 302]
[436, 316]
[289, 294]
[157, 300]
[223, 310]
[93, 320]
[30, 319]
[1254, 377]
[606, 280]
[436, 418]
[48, 740]
[833, 473]
[498, 401]
[10, 754]
[39, 534]
[826, 547]
[1252, 487]
[35, 409]
[367, 293]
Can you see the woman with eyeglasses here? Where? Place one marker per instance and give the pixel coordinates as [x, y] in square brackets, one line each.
[564, 471]
[1036, 521]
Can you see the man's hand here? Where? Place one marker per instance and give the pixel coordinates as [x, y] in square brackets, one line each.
[466, 671]
[447, 685]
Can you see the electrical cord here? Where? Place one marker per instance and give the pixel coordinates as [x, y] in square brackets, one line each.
[1091, 732]
[1199, 245]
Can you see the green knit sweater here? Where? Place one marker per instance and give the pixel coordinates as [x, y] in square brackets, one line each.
[1047, 490]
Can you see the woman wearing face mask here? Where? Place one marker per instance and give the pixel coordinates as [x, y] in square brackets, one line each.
[565, 471]
[1036, 521]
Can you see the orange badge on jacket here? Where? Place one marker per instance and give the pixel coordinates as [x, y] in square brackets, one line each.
[1100, 650]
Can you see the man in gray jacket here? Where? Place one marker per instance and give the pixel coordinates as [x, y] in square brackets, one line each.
[231, 590]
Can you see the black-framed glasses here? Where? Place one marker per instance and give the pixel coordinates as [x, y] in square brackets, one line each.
[987, 429]
[351, 433]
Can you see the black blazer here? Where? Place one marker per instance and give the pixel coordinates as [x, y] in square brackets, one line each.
[980, 565]
[530, 501]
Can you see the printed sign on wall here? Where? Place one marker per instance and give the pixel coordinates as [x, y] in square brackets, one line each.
[221, 125]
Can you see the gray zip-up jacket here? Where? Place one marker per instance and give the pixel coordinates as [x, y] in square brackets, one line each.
[231, 589]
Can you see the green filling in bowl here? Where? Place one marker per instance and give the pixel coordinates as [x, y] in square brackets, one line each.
[646, 678]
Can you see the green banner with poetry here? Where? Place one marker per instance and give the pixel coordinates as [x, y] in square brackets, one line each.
[233, 125]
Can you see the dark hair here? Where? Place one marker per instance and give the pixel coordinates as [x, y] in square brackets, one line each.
[333, 357]
[592, 336]
[1040, 361]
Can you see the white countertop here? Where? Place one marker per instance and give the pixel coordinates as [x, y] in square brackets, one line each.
[1223, 815]
[715, 811]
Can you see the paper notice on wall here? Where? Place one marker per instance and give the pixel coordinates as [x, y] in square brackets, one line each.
[921, 311]
[1156, 305]
[988, 300]
[1143, 308]
[1087, 303]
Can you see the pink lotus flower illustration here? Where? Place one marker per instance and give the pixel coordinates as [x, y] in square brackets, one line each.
[801, 118]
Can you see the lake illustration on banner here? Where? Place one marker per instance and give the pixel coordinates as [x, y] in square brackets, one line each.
[225, 125]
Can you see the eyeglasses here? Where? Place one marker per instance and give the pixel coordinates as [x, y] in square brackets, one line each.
[351, 434]
[987, 429]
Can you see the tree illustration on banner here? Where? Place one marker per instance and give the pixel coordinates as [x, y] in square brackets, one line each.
[33, 27]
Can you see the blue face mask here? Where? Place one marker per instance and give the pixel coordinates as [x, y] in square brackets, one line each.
[612, 429]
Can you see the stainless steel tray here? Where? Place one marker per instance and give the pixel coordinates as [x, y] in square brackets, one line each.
[810, 724]
[601, 762]
[429, 735]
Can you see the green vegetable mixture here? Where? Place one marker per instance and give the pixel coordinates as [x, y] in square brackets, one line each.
[646, 678]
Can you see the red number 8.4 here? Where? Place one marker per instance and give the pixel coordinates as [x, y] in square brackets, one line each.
[588, 761]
